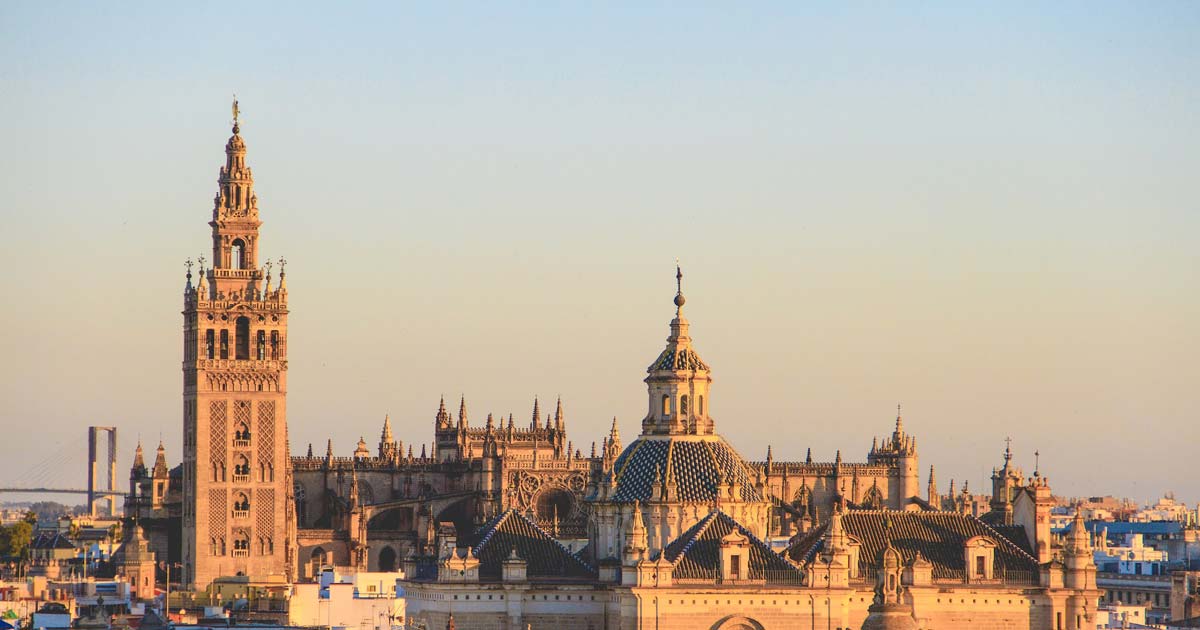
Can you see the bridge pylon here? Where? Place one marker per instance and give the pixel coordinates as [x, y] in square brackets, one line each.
[94, 495]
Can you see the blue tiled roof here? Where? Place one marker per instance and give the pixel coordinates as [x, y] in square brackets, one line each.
[697, 465]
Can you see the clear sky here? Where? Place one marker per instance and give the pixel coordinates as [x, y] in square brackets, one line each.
[987, 212]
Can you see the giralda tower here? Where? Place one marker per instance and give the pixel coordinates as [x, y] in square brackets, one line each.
[237, 478]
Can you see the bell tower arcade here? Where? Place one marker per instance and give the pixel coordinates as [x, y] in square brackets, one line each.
[237, 477]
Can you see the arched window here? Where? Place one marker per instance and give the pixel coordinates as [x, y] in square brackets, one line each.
[209, 343]
[243, 338]
[241, 544]
[274, 344]
[241, 469]
[262, 346]
[301, 504]
[387, 560]
[700, 405]
[315, 561]
[683, 405]
[225, 344]
[237, 254]
[241, 505]
[666, 405]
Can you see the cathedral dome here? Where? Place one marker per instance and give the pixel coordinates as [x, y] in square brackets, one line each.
[697, 465]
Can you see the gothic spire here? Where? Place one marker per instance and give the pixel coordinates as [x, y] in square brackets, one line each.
[462, 412]
[537, 414]
[386, 435]
[443, 420]
[559, 419]
[139, 462]
[160, 461]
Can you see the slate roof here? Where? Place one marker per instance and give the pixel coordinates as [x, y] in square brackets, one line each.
[545, 557]
[696, 554]
[697, 465]
[51, 540]
[939, 536]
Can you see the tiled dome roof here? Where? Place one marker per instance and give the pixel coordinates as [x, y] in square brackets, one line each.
[696, 465]
[678, 358]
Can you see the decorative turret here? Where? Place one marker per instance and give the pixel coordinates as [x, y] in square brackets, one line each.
[160, 462]
[889, 610]
[353, 499]
[560, 420]
[388, 449]
[635, 537]
[139, 463]
[899, 450]
[1005, 482]
[443, 421]
[932, 491]
[678, 381]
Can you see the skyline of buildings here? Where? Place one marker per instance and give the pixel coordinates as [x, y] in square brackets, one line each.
[981, 227]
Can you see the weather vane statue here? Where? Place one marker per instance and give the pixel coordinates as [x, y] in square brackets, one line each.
[236, 112]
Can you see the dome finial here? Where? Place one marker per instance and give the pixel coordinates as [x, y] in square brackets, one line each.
[679, 299]
[236, 112]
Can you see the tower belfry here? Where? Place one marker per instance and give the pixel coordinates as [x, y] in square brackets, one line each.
[237, 475]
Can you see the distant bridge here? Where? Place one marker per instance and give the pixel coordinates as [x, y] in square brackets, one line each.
[38, 478]
[107, 493]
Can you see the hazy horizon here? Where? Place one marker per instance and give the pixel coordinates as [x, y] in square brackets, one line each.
[984, 213]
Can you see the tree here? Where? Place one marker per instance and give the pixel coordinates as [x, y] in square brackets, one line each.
[15, 538]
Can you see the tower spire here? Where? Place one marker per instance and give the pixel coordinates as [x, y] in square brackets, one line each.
[235, 222]
[139, 462]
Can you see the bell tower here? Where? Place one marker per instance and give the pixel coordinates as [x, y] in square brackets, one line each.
[237, 476]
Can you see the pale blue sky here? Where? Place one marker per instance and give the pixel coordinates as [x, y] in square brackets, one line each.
[987, 213]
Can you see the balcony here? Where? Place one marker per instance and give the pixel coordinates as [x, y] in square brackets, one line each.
[240, 514]
[241, 478]
[241, 553]
[241, 444]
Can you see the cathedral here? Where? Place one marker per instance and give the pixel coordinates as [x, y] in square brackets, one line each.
[500, 523]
